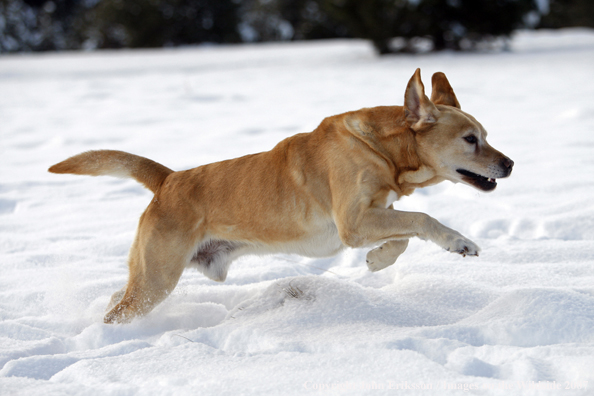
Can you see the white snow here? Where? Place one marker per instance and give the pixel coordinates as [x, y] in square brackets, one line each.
[519, 319]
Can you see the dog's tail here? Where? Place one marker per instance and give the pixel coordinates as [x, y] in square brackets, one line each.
[115, 163]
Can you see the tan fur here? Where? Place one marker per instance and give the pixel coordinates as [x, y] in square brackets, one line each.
[313, 194]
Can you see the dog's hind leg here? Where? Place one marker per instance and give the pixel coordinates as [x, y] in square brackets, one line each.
[116, 298]
[150, 282]
[385, 255]
[157, 259]
[152, 277]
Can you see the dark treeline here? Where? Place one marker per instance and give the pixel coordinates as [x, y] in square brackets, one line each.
[392, 25]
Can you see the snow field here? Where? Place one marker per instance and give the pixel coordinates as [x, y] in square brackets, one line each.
[517, 320]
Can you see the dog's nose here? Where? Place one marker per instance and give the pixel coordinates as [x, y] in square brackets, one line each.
[507, 164]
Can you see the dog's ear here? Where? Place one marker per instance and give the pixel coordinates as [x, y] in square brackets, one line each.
[442, 92]
[418, 109]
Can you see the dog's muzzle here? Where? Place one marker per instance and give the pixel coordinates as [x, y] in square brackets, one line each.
[485, 183]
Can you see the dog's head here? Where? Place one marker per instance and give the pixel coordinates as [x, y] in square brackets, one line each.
[453, 143]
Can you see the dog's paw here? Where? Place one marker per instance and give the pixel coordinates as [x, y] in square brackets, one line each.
[463, 246]
[385, 255]
[375, 263]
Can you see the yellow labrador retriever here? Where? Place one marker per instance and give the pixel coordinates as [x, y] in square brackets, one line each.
[314, 194]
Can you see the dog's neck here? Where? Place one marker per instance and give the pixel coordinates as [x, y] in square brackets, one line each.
[410, 172]
[416, 177]
[388, 135]
[410, 180]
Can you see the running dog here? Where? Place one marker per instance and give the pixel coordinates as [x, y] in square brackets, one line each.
[314, 194]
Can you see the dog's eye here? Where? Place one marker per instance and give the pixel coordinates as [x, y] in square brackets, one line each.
[471, 139]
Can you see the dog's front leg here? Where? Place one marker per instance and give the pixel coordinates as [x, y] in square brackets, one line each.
[376, 225]
[385, 255]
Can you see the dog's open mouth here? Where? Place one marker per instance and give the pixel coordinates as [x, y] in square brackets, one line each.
[480, 182]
